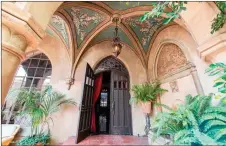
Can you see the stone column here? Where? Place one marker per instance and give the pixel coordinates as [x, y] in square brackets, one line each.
[13, 48]
[196, 80]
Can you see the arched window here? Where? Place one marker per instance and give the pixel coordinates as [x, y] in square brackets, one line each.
[35, 72]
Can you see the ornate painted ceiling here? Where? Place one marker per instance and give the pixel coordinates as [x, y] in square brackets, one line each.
[85, 20]
[125, 5]
[108, 34]
[144, 30]
[60, 26]
[91, 23]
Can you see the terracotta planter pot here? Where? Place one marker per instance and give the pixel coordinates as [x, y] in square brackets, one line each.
[39, 144]
[146, 107]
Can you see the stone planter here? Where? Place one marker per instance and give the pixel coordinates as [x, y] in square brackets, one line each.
[146, 107]
[159, 141]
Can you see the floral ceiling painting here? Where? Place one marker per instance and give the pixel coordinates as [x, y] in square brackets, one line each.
[144, 30]
[85, 20]
[109, 33]
[123, 5]
[59, 24]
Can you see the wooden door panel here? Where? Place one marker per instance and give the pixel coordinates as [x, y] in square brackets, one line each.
[86, 107]
[120, 110]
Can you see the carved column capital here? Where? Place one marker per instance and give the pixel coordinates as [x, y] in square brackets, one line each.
[19, 26]
[13, 43]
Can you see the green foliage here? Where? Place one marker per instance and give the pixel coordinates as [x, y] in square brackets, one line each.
[33, 140]
[39, 106]
[160, 8]
[146, 92]
[195, 122]
[220, 19]
[220, 70]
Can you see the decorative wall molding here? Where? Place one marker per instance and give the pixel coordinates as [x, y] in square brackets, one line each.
[174, 87]
[109, 63]
[170, 59]
[212, 46]
[22, 22]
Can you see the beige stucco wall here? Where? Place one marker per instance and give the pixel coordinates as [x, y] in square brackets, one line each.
[185, 85]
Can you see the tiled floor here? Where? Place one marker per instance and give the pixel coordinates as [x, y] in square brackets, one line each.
[109, 140]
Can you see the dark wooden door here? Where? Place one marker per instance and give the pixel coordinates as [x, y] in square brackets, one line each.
[120, 121]
[86, 107]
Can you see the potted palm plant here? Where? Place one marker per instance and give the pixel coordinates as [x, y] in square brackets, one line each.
[145, 94]
[39, 106]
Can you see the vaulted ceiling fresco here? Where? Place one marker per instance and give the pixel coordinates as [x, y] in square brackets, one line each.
[125, 5]
[144, 30]
[59, 24]
[93, 20]
[85, 20]
[108, 33]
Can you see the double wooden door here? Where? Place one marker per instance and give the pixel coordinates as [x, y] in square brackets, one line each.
[120, 113]
[120, 110]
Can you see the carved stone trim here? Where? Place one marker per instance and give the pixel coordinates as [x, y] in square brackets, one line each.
[14, 11]
[110, 63]
[174, 86]
[9, 48]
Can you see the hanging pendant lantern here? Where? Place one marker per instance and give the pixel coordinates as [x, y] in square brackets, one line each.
[116, 45]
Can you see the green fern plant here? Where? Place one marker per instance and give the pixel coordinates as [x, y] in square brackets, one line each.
[146, 92]
[39, 106]
[195, 122]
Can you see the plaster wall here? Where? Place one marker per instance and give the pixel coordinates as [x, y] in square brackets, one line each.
[64, 120]
[185, 86]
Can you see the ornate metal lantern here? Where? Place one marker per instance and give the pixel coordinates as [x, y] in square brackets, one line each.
[116, 45]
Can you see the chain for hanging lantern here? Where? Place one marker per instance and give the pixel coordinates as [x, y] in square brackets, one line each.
[116, 40]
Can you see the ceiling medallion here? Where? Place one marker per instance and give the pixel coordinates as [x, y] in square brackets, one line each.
[116, 44]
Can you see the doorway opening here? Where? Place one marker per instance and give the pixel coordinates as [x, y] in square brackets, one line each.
[109, 106]
[113, 111]
[102, 107]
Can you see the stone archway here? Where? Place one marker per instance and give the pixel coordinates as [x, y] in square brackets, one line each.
[116, 87]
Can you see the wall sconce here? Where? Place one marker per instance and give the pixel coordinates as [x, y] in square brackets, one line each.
[70, 81]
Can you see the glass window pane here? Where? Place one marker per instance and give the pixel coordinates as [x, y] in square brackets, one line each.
[49, 65]
[35, 82]
[44, 56]
[119, 84]
[26, 63]
[34, 63]
[42, 63]
[31, 72]
[28, 81]
[115, 84]
[39, 72]
[48, 72]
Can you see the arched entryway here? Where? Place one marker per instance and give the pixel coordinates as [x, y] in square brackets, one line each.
[113, 111]
[105, 104]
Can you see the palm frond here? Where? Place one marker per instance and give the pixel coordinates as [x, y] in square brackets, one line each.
[213, 123]
[211, 116]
